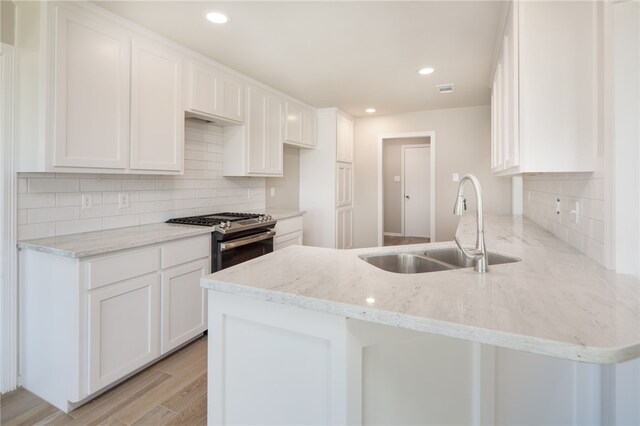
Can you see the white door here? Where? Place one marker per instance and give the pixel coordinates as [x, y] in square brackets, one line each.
[415, 160]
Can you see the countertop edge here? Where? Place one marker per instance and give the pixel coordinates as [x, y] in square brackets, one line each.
[26, 245]
[580, 353]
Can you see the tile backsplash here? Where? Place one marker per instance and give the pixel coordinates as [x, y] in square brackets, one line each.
[50, 203]
[541, 193]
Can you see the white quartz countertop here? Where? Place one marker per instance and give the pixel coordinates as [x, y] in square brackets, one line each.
[555, 301]
[100, 242]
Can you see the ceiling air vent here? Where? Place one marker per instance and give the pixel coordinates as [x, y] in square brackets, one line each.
[445, 88]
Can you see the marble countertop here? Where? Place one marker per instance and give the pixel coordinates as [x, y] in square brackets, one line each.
[555, 301]
[100, 242]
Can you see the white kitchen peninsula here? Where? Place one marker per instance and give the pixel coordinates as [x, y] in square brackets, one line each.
[318, 336]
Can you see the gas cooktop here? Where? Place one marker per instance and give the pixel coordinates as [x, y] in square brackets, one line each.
[227, 222]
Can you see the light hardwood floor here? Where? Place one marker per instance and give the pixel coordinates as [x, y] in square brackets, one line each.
[172, 391]
[399, 241]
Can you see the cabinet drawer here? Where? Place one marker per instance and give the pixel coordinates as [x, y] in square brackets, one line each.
[113, 269]
[288, 240]
[287, 226]
[185, 251]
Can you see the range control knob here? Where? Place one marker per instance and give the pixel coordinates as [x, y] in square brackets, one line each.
[268, 217]
[228, 224]
[222, 225]
[260, 218]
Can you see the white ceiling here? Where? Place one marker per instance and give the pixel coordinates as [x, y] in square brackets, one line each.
[352, 55]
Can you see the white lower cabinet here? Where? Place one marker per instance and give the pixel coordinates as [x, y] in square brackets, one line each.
[184, 305]
[321, 368]
[89, 323]
[123, 329]
[288, 233]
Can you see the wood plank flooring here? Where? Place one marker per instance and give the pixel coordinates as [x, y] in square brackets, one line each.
[400, 241]
[172, 392]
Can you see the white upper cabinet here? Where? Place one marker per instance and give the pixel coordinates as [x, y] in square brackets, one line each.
[214, 94]
[344, 149]
[300, 125]
[545, 103]
[255, 149]
[108, 101]
[293, 123]
[91, 92]
[157, 117]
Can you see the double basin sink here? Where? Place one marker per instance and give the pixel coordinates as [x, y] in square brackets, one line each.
[431, 261]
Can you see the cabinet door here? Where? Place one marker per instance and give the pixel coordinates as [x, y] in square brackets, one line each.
[123, 329]
[91, 92]
[230, 104]
[184, 303]
[214, 93]
[344, 183]
[203, 90]
[274, 135]
[280, 242]
[256, 131]
[309, 127]
[157, 116]
[344, 228]
[510, 72]
[344, 148]
[293, 123]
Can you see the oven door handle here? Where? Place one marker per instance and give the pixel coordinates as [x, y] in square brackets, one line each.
[247, 240]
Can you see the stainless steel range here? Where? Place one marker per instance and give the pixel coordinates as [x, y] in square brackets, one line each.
[236, 237]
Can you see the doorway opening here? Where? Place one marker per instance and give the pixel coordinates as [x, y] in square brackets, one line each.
[406, 188]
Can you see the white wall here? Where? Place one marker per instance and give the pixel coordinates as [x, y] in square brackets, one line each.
[462, 146]
[287, 187]
[49, 203]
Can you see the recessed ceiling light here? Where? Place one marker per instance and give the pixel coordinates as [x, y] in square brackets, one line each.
[425, 71]
[370, 110]
[217, 17]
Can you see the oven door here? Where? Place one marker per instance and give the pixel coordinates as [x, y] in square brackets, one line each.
[232, 252]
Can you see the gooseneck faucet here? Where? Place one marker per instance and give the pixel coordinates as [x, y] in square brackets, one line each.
[479, 254]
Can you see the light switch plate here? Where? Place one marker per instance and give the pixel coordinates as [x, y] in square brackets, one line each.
[273, 191]
[396, 178]
[455, 177]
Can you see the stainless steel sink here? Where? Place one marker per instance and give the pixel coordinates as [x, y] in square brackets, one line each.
[406, 263]
[454, 256]
[431, 261]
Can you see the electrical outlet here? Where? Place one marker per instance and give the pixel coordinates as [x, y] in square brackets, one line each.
[273, 191]
[123, 200]
[455, 177]
[85, 201]
[249, 193]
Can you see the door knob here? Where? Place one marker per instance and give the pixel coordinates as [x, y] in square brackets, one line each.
[407, 197]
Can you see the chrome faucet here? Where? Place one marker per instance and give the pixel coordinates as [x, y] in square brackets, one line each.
[479, 254]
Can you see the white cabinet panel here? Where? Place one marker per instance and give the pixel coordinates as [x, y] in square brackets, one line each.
[91, 112]
[184, 304]
[185, 251]
[545, 98]
[157, 117]
[288, 233]
[344, 228]
[123, 329]
[309, 128]
[344, 149]
[105, 270]
[214, 94]
[255, 149]
[344, 184]
[293, 123]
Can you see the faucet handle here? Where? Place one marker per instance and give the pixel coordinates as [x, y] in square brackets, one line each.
[472, 254]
